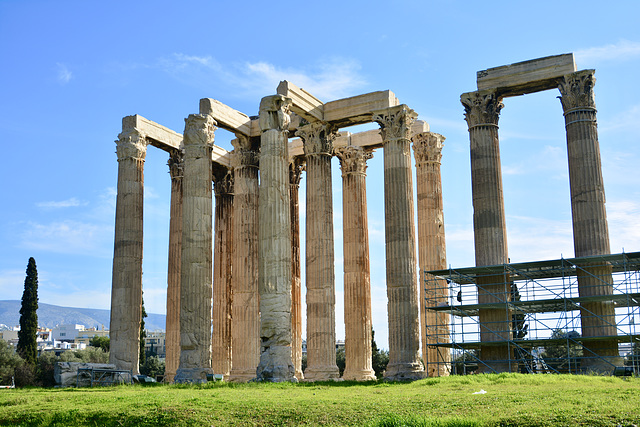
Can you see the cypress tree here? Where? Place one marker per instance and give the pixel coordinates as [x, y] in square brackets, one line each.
[27, 336]
[143, 335]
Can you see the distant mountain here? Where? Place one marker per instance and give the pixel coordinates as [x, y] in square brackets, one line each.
[50, 316]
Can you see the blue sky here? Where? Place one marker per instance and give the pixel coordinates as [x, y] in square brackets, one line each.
[72, 69]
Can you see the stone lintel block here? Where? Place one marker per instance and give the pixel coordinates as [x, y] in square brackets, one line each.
[226, 117]
[304, 104]
[358, 109]
[156, 134]
[527, 77]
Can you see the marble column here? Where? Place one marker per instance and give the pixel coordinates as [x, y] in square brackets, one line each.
[172, 341]
[245, 325]
[197, 251]
[274, 242]
[427, 149]
[590, 229]
[126, 285]
[320, 277]
[295, 174]
[222, 266]
[357, 280]
[482, 110]
[402, 288]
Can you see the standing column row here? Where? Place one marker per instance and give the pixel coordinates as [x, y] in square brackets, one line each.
[404, 334]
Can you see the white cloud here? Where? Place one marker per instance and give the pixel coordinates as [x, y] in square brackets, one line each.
[623, 217]
[329, 79]
[622, 50]
[69, 203]
[68, 237]
[64, 74]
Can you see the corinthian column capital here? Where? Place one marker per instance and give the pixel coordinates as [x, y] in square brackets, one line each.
[296, 167]
[427, 147]
[176, 165]
[317, 138]
[245, 153]
[577, 90]
[131, 144]
[481, 108]
[395, 122]
[353, 160]
[199, 130]
[274, 113]
[223, 181]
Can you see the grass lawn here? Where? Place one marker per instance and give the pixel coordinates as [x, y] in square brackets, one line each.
[510, 400]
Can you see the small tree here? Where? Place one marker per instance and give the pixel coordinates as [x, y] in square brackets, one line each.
[143, 335]
[153, 367]
[9, 361]
[379, 358]
[27, 336]
[341, 360]
[100, 342]
[563, 356]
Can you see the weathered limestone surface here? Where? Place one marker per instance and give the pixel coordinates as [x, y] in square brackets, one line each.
[357, 280]
[126, 288]
[65, 374]
[302, 102]
[402, 293]
[320, 277]
[222, 266]
[274, 243]
[434, 326]
[197, 251]
[245, 306]
[528, 76]
[295, 173]
[590, 229]
[172, 342]
[482, 110]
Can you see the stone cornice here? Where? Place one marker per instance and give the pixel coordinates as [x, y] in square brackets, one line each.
[317, 138]
[577, 90]
[131, 144]
[353, 160]
[481, 108]
[176, 165]
[427, 147]
[395, 122]
[274, 113]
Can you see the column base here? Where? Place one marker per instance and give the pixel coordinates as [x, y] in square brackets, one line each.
[359, 375]
[192, 375]
[242, 376]
[275, 365]
[328, 373]
[404, 372]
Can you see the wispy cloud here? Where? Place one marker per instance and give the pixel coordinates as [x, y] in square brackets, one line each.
[69, 203]
[328, 79]
[64, 74]
[623, 217]
[623, 50]
[628, 120]
[68, 237]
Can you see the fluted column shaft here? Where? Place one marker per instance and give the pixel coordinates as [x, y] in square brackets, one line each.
[197, 251]
[222, 266]
[320, 276]
[357, 280]
[590, 229]
[295, 173]
[172, 341]
[482, 110]
[402, 293]
[427, 148]
[126, 286]
[245, 325]
[274, 243]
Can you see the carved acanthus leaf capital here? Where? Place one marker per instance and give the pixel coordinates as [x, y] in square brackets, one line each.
[481, 108]
[577, 90]
[353, 160]
[131, 144]
[199, 130]
[427, 147]
[244, 153]
[317, 138]
[395, 122]
[176, 164]
[223, 181]
[296, 167]
[274, 113]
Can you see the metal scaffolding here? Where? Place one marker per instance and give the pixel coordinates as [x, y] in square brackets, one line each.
[542, 309]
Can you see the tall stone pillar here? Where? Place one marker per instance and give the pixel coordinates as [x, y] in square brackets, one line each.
[427, 149]
[222, 266]
[274, 242]
[126, 285]
[295, 174]
[197, 251]
[245, 329]
[402, 293]
[172, 341]
[320, 277]
[482, 110]
[357, 283]
[590, 229]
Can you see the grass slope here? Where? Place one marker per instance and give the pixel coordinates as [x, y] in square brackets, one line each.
[510, 400]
